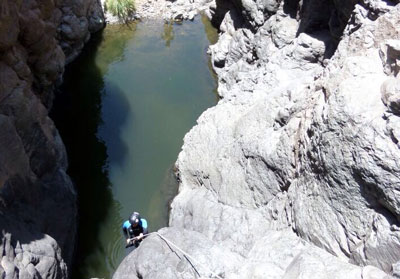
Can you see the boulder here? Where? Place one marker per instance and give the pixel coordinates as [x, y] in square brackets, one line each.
[390, 90]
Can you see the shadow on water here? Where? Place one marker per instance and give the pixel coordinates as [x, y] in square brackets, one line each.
[77, 113]
[116, 113]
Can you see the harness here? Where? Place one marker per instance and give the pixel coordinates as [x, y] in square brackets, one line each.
[135, 231]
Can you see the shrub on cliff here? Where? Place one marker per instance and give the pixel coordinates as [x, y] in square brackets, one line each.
[123, 9]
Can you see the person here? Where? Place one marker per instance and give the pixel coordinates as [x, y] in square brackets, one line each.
[134, 227]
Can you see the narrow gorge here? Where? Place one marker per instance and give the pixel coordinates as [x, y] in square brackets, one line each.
[294, 173]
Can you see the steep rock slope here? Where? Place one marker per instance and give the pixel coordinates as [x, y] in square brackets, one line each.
[38, 200]
[295, 173]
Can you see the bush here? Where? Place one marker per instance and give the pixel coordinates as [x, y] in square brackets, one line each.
[123, 9]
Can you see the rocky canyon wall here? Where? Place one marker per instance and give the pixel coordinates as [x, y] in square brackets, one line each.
[295, 173]
[37, 198]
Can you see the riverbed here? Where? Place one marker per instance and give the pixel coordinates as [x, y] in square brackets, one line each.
[123, 110]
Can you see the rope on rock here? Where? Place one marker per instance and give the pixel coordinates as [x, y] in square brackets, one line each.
[187, 256]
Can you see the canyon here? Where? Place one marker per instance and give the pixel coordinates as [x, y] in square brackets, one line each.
[294, 173]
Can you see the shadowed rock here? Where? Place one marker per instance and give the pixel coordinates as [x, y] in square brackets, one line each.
[38, 200]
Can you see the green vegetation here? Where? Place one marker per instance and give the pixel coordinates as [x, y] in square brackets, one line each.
[123, 9]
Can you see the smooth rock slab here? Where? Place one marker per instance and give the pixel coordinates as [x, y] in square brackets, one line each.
[279, 254]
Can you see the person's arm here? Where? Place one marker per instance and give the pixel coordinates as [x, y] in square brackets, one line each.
[125, 228]
[144, 226]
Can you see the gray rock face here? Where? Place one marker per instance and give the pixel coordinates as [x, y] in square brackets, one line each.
[294, 174]
[37, 198]
[154, 255]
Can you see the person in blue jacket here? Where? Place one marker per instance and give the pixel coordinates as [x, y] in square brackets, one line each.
[135, 227]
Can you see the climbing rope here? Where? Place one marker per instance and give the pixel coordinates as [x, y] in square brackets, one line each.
[187, 256]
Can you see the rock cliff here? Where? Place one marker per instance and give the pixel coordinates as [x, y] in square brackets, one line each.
[37, 198]
[295, 173]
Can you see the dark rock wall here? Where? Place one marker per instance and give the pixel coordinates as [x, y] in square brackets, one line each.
[38, 200]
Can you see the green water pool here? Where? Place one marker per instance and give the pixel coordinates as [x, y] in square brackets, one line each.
[123, 110]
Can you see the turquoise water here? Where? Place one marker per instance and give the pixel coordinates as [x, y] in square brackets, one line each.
[123, 110]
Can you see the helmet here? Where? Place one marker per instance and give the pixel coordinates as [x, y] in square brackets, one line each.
[134, 218]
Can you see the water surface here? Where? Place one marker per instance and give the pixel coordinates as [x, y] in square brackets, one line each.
[123, 110]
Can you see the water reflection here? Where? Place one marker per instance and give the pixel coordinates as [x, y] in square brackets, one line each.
[211, 32]
[168, 34]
